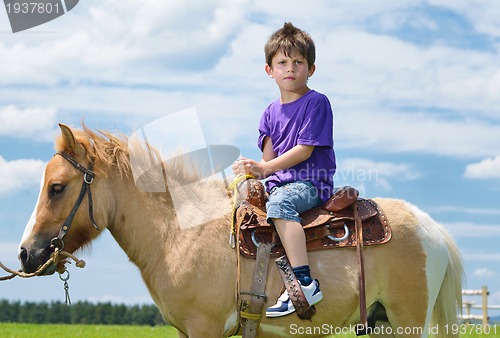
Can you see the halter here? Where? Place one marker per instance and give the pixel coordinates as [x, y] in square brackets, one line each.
[88, 178]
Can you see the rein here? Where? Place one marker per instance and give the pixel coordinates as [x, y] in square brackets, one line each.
[88, 178]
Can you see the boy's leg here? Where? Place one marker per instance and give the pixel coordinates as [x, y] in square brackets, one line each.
[283, 210]
[293, 239]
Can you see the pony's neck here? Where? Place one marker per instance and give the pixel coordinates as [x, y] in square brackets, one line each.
[142, 220]
[160, 231]
[171, 258]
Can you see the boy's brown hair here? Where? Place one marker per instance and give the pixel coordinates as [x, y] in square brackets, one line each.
[287, 38]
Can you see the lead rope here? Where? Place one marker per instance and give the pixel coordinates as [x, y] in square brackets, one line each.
[53, 259]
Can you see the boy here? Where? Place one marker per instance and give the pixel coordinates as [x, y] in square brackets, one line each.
[298, 160]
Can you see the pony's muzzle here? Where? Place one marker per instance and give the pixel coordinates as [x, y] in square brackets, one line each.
[33, 258]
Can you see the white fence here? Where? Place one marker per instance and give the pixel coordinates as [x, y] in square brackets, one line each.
[467, 316]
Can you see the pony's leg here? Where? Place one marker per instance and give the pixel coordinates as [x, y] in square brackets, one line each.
[405, 294]
[204, 328]
[204, 333]
[404, 322]
[406, 300]
[197, 327]
[402, 271]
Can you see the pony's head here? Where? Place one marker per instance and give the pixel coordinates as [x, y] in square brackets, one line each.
[63, 216]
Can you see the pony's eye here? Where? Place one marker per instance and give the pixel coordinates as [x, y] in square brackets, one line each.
[56, 189]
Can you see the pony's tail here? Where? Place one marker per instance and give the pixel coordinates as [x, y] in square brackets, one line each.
[449, 301]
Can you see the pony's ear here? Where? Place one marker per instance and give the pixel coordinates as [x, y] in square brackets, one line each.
[69, 140]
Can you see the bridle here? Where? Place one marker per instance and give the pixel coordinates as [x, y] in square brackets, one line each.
[88, 178]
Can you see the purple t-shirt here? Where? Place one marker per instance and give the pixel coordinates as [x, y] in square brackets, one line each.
[307, 121]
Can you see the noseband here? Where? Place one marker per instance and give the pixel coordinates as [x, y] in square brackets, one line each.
[88, 178]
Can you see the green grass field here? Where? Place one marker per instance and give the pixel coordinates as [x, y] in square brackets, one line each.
[122, 331]
[85, 331]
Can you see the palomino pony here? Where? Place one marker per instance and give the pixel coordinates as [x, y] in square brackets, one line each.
[413, 283]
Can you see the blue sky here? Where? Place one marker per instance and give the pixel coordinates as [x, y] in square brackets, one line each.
[415, 87]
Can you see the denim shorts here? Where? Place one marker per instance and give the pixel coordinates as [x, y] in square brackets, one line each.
[289, 200]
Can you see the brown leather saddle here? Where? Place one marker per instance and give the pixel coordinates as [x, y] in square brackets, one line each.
[326, 227]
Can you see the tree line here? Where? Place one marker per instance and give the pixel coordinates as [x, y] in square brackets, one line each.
[79, 313]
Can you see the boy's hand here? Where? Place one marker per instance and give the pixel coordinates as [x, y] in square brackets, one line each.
[262, 169]
[246, 166]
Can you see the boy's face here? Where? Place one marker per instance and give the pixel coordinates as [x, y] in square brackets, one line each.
[290, 72]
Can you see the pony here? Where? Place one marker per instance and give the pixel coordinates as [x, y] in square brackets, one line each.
[413, 282]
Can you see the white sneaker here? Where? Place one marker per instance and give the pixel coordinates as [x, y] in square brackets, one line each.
[284, 305]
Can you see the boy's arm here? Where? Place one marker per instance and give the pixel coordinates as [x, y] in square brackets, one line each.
[267, 150]
[292, 157]
[270, 162]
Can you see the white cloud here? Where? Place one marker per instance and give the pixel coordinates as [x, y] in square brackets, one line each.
[393, 131]
[378, 69]
[360, 171]
[122, 41]
[372, 169]
[488, 168]
[324, 11]
[34, 123]
[482, 14]
[471, 255]
[473, 211]
[472, 230]
[484, 272]
[20, 174]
